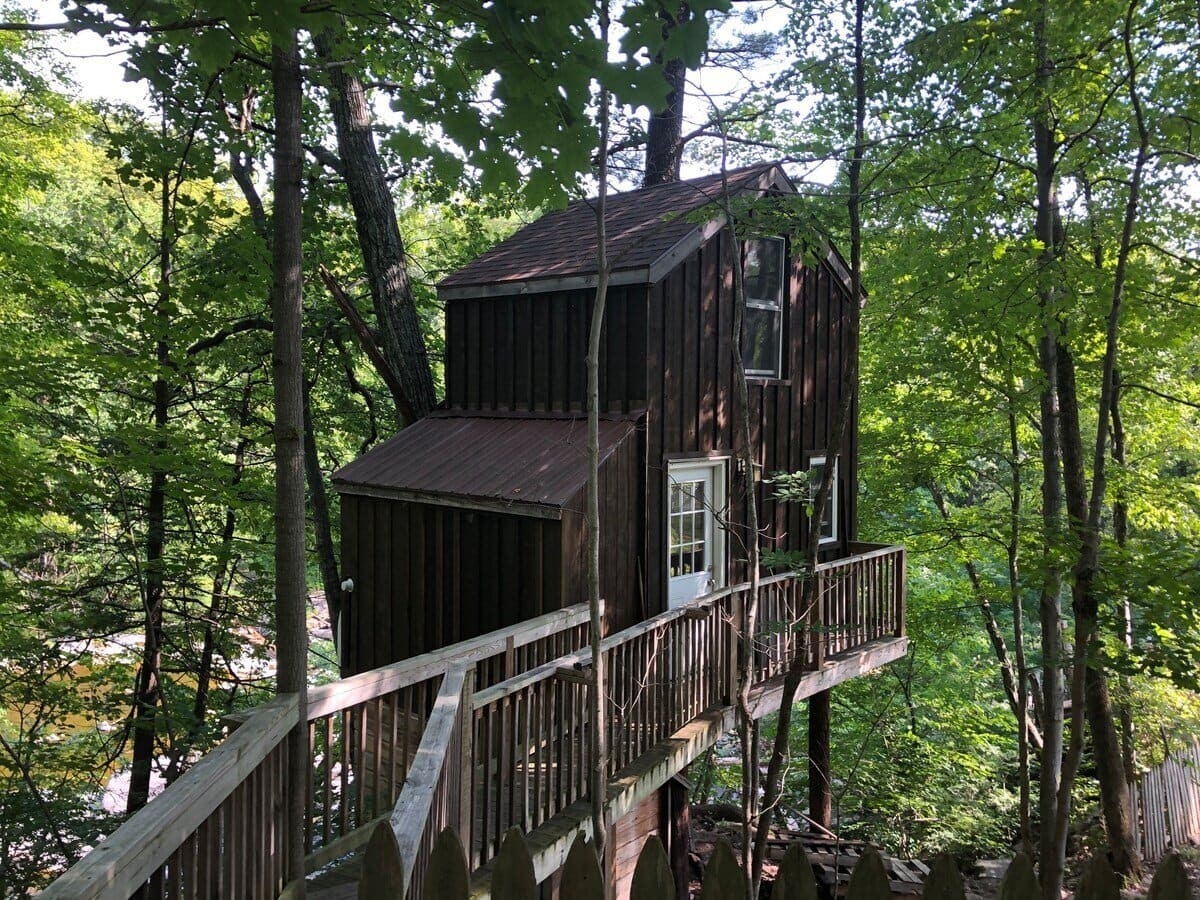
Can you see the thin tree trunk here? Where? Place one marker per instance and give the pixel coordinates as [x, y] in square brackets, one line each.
[748, 624]
[664, 131]
[287, 307]
[596, 688]
[1110, 768]
[400, 333]
[1121, 535]
[773, 787]
[148, 689]
[322, 529]
[1024, 726]
[222, 580]
[1008, 676]
[1052, 853]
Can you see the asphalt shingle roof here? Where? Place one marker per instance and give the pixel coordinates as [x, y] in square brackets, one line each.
[643, 225]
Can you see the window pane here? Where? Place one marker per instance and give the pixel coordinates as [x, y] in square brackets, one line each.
[760, 341]
[817, 472]
[763, 271]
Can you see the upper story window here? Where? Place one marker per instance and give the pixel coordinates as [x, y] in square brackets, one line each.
[762, 330]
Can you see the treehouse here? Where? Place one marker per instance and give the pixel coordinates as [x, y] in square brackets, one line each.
[464, 641]
[473, 519]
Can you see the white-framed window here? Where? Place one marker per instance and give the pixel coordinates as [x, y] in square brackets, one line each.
[829, 513]
[762, 327]
[695, 540]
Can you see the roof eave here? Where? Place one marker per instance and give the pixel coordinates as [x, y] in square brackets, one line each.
[533, 509]
[639, 275]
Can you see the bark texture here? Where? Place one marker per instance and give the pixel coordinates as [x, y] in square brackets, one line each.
[288, 372]
[664, 131]
[820, 791]
[597, 694]
[400, 334]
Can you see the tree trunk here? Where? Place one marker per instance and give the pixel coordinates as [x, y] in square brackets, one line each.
[810, 595]
[222, 581]
[1052, 850]
[287, 309]
[597, 697]
[1121, 534]
[664, 132]
[148, 689]
[322, 529]
[748, 619]
[400, 333]
[1016, 604]
[1008, 676]
[1086, 512]
[820, 766]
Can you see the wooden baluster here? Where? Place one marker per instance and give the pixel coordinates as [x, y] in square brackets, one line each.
[532, 751]
[505, 767]
[344, 774]
[569, 739]
[546, 743]
[479, 761]
[486, 807]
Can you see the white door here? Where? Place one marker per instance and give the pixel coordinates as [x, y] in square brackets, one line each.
[695, 542]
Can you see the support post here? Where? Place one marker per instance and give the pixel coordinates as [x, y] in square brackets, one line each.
[466, 767]
[820, 776]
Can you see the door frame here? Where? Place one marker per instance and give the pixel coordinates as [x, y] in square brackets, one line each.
[718, 549]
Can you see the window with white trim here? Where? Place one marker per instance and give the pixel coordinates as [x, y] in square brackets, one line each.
[829, 513]
[762, 326]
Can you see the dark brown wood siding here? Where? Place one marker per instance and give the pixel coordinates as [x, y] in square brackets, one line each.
[525, 352]
[691, 408]
[621, 553]
[426, 576]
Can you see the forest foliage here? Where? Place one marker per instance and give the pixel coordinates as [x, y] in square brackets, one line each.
[136, 359]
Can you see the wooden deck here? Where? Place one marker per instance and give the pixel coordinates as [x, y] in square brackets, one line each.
[490, 734]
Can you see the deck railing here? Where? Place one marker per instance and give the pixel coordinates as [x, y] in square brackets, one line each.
[218, 830]
[483, 735]
[364, 730]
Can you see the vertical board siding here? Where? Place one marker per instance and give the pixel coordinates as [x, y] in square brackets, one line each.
[525, 353]
[691, 407]
[428, 576]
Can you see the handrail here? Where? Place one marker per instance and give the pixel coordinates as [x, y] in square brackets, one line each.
[581, 658]
[123, 862]
[410, 816]
[431, 798]
[346, 692]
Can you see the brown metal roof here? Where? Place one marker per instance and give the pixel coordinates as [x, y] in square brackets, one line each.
[535, 465]
[643, 226]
